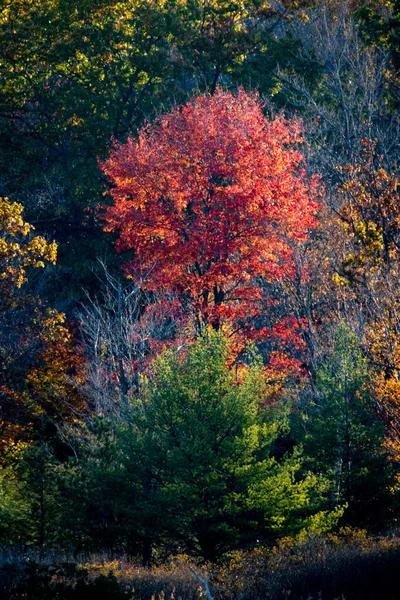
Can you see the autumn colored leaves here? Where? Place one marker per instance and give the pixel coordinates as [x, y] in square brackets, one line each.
[211, 198]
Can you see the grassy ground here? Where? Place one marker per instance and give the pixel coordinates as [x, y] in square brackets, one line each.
[349, 566]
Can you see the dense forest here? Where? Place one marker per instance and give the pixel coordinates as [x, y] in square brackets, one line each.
[199, 299]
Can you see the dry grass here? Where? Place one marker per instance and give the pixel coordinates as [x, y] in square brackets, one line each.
[349, 566]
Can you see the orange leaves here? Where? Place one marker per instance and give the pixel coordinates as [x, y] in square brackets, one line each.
[54, 382]
[372, 212]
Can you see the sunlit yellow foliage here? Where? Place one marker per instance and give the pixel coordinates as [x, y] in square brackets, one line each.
[18, 249]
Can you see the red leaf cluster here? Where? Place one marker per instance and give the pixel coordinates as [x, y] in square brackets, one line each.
[211, 198]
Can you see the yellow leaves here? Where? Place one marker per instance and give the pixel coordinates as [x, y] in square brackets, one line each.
[76, 121]
[371, 236]
[277, 88]
[17, 254]
[47, 381]
[11, 219]
[143, 78]
[53, 327]
[339, 280]
[303, 16]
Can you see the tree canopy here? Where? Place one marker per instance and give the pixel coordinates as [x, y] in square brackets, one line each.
[211, 197]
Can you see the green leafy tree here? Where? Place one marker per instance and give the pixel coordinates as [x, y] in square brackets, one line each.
[236, 41]
[344, 436]
[73, 75]
[14, 508]
[29, 496]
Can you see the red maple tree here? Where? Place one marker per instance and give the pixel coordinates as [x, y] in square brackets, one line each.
[211, 198]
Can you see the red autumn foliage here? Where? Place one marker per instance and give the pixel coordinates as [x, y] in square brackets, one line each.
[211, 198]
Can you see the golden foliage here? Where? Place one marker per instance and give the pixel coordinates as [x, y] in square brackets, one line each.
[18, 249]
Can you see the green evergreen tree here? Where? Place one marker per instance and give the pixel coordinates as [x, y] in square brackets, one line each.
[344, 436]
[211, 477]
